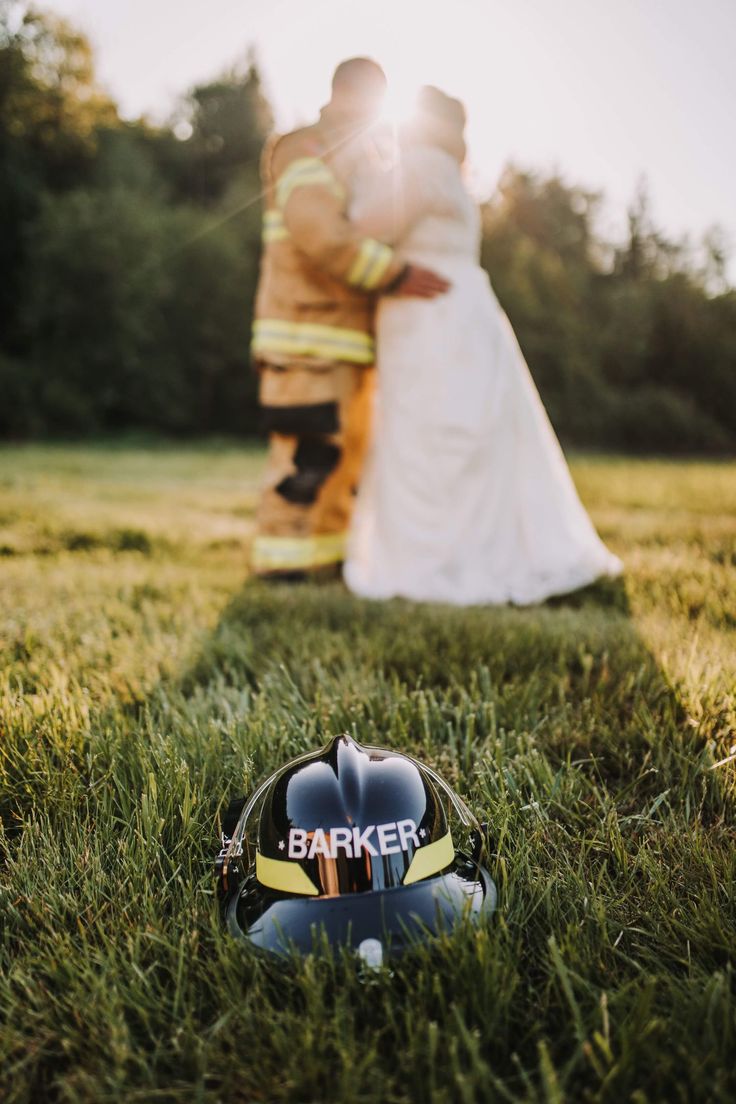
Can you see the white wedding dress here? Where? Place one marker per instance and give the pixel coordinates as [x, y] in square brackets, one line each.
[466, 496]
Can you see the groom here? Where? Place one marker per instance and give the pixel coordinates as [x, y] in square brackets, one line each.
[313, 332]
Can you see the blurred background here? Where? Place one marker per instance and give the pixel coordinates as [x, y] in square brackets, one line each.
[601, 148]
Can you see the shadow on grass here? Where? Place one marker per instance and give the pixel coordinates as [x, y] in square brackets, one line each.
[275, 623]
[573, 671]
[610, 831]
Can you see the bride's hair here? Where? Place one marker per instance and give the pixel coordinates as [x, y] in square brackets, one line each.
[439, 120]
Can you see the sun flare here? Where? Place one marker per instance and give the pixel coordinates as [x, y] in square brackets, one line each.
[401, 97]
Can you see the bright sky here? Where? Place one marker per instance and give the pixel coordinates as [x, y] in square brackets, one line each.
[604, 90]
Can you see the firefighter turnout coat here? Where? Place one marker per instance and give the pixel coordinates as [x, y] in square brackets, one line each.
[313, 342]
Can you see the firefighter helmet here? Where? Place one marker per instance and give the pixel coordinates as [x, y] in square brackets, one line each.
[356, 842]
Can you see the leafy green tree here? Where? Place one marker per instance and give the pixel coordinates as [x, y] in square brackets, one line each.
[50, 103]
[50, 111]
[214, 272]
[665, 334]
[540, 250]
[132, 255]
[138, 316]
[627, 344]
[229, 120]
[93, 308]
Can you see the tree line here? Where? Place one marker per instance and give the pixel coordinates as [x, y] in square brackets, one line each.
[130, 252]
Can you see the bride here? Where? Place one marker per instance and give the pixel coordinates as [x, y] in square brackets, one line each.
[466, 497]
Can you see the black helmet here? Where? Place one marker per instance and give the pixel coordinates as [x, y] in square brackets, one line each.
[354, 841]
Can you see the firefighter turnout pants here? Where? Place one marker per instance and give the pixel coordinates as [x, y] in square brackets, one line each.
[318, 420]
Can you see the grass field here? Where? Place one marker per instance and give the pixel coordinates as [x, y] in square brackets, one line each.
[145, 680]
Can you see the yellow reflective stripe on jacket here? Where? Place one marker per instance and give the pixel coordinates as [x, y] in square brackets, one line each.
[430, 859]
[303, 171]
[296, 553]
[274, 228]
[371, 264]
[310, 339]
[289, 877]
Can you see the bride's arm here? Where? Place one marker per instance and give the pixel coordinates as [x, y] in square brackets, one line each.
[390, 203]
[383, 208]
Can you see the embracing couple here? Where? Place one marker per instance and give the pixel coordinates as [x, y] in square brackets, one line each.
[445, 482]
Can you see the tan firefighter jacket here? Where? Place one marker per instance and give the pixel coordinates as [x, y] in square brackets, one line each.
[319, 276]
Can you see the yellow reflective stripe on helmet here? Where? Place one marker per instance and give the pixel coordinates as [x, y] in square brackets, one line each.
[311, 339]
[430, 859]
[371, 264]
[304, 171]
[274, 228]
[295, 553]
[288, 877]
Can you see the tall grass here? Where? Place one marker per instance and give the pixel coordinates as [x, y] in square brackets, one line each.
[146, 680]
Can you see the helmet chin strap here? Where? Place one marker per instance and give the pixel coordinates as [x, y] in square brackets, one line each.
[232, 848]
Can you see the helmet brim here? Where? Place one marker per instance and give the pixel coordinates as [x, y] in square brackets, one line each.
[400, 917]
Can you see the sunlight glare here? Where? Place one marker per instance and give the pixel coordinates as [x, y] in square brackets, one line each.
[400, 101]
